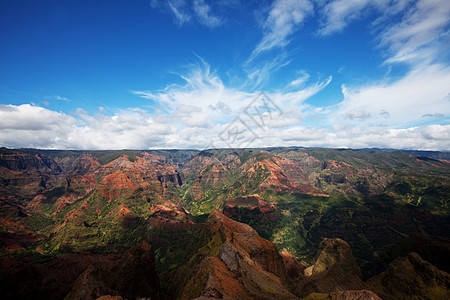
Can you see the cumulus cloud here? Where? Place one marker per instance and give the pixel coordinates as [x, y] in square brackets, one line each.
[32, 126]
[137, 129]
[39, 127]
[401, 103]
[30, 118]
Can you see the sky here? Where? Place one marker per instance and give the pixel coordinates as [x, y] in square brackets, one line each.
[200, 74]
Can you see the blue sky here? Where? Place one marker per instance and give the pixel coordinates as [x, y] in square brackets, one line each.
[186, 74]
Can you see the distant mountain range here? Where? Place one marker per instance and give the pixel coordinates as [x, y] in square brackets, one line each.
[273, 223]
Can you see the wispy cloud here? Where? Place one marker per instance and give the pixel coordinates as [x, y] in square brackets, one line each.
[205, 15]
[413, 38]
[205, 86]
[55, 97]
[284, 19]
[180, 17]
[259, 73]
[338, 14]
[185, 12]
[59, 98]
[300, 80]
[416, 38]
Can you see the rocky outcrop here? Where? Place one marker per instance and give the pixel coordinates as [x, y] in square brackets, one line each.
[278, 181]
[81, 165]
[251, 207]
[170, 217]
[293, 267]
[411, 277]
[234, 262]
[199, 162]
[117, 184]
[30, 162]
[334, 269]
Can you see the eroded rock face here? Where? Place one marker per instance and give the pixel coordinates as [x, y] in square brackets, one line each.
[334, 269]
[235, 263]
[251, 207]
[409, 277]
[29, 162]
[279, 179]
[293, 267]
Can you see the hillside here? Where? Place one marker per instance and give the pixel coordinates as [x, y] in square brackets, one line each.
[100, 204]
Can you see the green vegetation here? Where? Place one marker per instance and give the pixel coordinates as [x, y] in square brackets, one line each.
[374, 199]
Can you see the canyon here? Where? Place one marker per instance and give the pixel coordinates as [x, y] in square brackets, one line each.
[275, 223]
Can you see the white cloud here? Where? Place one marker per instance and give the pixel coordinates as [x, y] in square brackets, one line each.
[354, 114]
[204, 14]
[38, 127]
[299, 81]
[432, 137]
[412, 39]
[297, 97]
[204, 89]
[188, 116]
[186, 12]
[415, 38]
[32, 126]
[284, 19]
[31, 118]
[61, 98]
[260, 73]
[180, 16]
[400, 103]
[338, 14]
[183, 128]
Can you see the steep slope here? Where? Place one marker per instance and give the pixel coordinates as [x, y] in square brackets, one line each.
[233, 262]
[334, 269]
